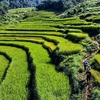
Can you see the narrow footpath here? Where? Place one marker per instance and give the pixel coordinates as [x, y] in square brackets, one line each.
[89, 85]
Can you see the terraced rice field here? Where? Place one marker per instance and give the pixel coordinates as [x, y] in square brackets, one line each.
[29, 73]
[26, 71]
[97, 58]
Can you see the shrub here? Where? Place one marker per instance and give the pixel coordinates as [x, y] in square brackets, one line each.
[80, 70]
[71, 66]
[95, 94]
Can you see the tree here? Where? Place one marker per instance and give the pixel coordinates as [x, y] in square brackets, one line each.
[51, 5]
[3, 8]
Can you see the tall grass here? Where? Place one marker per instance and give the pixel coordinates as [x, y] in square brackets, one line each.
[14, 86]
[97, 58]
[4, 63]
[51, 85]
[76, 37]
[48, 44]
[96, 75]
[66, 46]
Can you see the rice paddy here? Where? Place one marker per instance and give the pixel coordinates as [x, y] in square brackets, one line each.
[27, 71]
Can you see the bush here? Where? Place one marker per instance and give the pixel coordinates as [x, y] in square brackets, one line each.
[71, 66]
[95, 94]
[80, 70]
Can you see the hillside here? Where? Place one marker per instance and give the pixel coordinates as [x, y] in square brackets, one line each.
[43, 49]
[41, 56]
[87, 6]
[33, 3]
[71, 6]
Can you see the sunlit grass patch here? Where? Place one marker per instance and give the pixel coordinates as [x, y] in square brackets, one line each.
[23, 27]
[48, 44]
[4, 63]
[20, 10]
[74, 30]
[77, 22]
[77, 35]
[97, 58]
[17, 75]
[50, 84]
[65, 46]
[96, 75]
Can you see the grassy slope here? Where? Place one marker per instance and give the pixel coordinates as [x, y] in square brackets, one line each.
[4, 62]
[51, 85]
[50, 45]
[14, 86]
[96, 75]
[47, 85]
[97, 58]
[66, 46]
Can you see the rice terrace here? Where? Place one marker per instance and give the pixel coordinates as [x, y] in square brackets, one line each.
[42, 55]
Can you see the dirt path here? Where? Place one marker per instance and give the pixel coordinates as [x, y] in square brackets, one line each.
[89, 86]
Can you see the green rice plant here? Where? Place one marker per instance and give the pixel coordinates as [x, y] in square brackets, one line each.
[97, 58]
[39, 15]
[28, 28]
[96, 75]
[48, 44]
[65, 46]
[96, 19]
[76, 37]
[91, 29]
[39, 23]
[74, 30]
[77, 22]
[14, 86]
[31, 33]
[58, 19]
[85, 27]
[4, 63]
[19, 10]
[50, 84]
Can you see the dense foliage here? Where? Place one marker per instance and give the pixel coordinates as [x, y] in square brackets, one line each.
[3, 8]
[30, 72]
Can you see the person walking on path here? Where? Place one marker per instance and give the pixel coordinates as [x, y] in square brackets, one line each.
[88, 68]
[88, 76]
[85, 63]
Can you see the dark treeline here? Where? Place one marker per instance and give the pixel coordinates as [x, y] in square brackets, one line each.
[51, 5]
[3, 8]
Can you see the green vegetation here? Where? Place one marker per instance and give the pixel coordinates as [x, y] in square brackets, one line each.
[49, 82]
[71, 66]
[4, 64]
[97, 58]
[96, 75]
[76, 37]
[47, 44]
[19, 10]
[33, 73]
[87, 6]
[66, 46]
[17, 76]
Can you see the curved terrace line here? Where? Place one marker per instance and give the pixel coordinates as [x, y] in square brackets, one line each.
[9, 59]
[33, 95]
